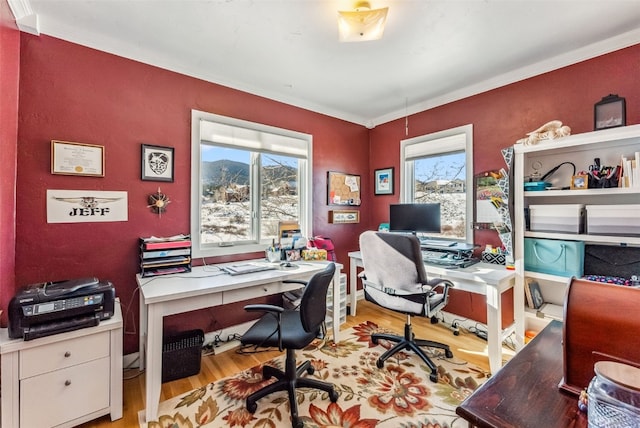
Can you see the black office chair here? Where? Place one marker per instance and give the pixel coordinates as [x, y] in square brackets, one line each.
[292, 329]
[394, 278]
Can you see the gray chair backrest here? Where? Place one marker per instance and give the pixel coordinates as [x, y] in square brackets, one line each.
[393, 260]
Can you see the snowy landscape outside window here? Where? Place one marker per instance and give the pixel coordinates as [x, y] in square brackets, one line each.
[438, 168]
[249, 178]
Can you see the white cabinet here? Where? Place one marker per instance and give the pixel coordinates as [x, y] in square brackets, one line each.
[65, 379]
[582, 149]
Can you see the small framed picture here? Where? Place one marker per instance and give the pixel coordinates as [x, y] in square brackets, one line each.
[579, 182]
[384, 181]
[610, 112]
[157, 163]
[344, 216]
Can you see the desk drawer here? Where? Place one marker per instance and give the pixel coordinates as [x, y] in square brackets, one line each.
[53, 398]
[261, 290]
[67, 353]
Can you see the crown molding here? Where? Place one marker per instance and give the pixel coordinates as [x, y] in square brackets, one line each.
[26, 20]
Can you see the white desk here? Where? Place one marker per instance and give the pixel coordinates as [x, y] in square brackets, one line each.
[205, 287]
[482, 278]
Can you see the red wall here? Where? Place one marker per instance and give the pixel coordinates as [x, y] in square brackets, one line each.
[69, 92]
[504, 115]
[72, 93]
[9, 80]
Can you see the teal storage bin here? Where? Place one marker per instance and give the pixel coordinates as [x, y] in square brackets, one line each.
[555, 257]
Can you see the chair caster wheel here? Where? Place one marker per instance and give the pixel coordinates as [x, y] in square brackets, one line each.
[298, 424]
[434, 320]
[456, 332]
[310, 370]
[380, 364]
[252, 407]
[333, 396]
[433, 377]
[448, 353]
[374, 340]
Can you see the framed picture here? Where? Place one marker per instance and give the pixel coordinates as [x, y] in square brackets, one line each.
[609, 112]
[384, 181]
[579, 182]
[157, 163]
[344, 216]
[77, 159]
[343, 189]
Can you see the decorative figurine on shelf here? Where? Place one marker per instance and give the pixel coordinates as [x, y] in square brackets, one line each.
[158, 202]
[548, 131]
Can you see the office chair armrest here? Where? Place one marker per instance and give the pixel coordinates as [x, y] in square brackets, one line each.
[440, 282]
[264, 308]
[294, 281]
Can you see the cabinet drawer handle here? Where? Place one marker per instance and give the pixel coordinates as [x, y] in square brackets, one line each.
[67, 354]
[67, 382]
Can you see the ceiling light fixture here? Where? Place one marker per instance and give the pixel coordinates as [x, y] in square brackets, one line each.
[362, 24]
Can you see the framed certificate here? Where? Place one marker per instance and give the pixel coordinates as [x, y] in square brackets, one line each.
[77, 159]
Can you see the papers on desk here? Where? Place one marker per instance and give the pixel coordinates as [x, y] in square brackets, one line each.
[243, 268]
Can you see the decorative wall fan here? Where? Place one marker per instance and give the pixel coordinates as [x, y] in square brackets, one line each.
[158, 202]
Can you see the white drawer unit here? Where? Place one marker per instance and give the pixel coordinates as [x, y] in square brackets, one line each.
[65, 379]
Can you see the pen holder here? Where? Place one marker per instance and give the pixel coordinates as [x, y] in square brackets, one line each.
[273, 255]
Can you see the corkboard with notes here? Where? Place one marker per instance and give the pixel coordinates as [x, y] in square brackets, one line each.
[343, 189]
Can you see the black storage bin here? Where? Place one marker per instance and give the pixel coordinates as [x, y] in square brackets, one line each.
[181, 354]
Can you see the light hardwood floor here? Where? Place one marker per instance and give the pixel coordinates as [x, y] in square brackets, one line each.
[465, 346]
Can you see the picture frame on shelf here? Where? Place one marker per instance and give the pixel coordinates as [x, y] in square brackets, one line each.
[533, 294]
[77, 159]
[579, 182]
[157, 163]
[383, 183]
[609, 112]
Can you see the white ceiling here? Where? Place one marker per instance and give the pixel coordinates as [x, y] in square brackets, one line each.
[432, 51]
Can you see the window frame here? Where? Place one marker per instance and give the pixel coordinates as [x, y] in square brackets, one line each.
[441, 142]
[304, 152]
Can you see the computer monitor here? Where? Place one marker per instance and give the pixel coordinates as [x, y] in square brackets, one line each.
[414, 218]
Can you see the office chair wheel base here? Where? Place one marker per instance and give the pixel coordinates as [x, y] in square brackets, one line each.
[374, 340]
[333, 396]
[298, 424]
[252, 407]
[380, 364]
[433, 377]
[448, 353]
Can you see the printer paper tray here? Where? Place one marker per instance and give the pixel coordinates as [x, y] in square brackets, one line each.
[60, 326]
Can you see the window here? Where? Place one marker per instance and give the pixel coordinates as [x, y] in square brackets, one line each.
[438, 168]
[245, 178]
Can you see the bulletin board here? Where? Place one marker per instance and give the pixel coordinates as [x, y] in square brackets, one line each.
[343, 189]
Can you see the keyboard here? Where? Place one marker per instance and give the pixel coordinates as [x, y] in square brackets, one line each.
[440, 258]
[437, 243]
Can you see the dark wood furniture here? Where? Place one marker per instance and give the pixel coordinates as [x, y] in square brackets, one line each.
[525, 392]
[597, 326]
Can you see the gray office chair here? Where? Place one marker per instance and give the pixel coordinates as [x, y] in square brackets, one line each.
[292, 329]
[394, 278]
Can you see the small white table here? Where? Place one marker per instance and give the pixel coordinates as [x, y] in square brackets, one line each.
[204, 287]
[481, 278]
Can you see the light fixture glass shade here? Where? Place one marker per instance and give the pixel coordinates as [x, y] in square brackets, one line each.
[362, 24]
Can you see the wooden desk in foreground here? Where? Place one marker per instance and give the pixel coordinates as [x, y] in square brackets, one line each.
[525, 393]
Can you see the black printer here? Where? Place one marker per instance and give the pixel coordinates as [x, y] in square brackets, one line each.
[48, 308]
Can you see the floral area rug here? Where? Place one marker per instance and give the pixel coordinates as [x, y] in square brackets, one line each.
[400, 395]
